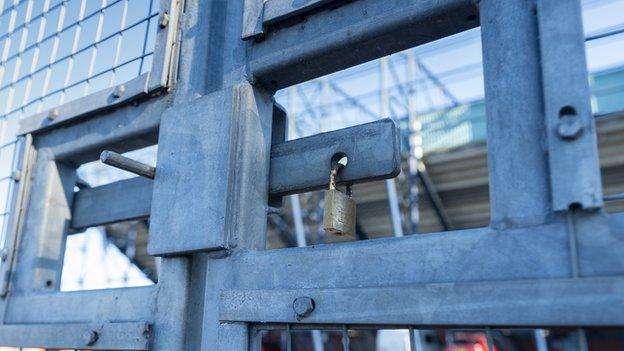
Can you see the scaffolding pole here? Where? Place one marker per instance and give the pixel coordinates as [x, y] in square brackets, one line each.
[384, 107]
[317, 340]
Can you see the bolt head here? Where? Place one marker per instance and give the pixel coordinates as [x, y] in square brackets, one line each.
[119, 91]
[53, 114]
[303, 306]
[90, 337]
[569, 128]
[163, 21]
[16, 175]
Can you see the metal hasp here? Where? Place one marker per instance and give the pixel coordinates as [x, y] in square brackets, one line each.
[301, 165]
[212, 143]
[296, 166]
[127, 164]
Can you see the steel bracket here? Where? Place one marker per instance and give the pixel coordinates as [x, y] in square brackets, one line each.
[571, 130]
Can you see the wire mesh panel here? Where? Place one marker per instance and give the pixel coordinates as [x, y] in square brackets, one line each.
[53, 52]
[56, 51]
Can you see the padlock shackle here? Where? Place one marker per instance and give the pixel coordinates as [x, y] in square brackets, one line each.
[332, 178]
[336, 167]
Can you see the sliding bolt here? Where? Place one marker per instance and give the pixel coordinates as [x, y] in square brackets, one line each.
[127, 164]
[303, 306]
[91, 337]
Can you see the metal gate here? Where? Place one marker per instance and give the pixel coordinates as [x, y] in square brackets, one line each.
[550, 257]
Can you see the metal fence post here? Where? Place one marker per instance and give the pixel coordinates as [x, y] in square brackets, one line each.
[518, 167]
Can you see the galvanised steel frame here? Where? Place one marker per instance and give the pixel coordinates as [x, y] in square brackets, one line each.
[550, 257]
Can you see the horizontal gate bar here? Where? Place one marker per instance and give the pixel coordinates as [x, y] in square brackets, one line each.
[455, 256]
[353, 33]
[450, 278]
[296, 166]
[114, 305]
[122, 200]
[102, 336]
[484, 254]
[557, 302]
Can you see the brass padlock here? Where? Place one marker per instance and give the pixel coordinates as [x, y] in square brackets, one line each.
[339, 214]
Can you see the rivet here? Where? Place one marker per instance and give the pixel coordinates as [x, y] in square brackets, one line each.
[119, 91]
[303, 306]
[16, 175]
[163, 21]
[53, 114]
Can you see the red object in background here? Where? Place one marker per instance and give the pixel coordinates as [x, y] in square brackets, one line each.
[272, 340]
[469, 341]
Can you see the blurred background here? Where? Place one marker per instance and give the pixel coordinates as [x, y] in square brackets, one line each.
[53, 52]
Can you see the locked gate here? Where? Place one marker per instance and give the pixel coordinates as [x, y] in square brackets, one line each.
[550, 257]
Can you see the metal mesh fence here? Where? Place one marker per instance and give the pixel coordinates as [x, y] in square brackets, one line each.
[56, 51]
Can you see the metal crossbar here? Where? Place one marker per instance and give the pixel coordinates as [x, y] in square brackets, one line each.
[549, 257]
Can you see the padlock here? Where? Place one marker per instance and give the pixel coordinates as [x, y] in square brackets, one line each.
[339, 214]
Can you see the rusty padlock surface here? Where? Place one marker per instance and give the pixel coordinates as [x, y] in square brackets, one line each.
[339, 212]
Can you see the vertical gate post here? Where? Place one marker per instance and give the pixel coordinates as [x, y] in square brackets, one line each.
[247, 211]
[214, 85]
[518, 167]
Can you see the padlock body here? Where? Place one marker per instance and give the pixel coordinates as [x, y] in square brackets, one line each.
[339, 215]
